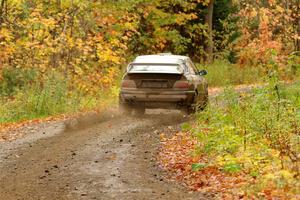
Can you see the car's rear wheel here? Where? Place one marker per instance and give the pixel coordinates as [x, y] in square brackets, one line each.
[124, 107]
[201, 101]
[190, 109]
[206, 99]
[140, 110]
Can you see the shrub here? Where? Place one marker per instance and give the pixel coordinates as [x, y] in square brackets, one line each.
[37, 100]
[256, 132]
[51, 96]
[13, 79]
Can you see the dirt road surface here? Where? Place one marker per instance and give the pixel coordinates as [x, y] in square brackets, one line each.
[112, 158]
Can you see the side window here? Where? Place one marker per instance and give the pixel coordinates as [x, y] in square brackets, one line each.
[185, 66]
[191, 66]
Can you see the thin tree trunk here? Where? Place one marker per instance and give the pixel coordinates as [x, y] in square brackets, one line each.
[209, 22]
[298, 27]
[2, 9]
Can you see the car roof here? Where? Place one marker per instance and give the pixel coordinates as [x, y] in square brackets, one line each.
[160, 59]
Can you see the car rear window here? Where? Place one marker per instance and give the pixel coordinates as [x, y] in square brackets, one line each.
[155, 68]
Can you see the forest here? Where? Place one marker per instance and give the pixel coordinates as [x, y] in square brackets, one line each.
[62, 57]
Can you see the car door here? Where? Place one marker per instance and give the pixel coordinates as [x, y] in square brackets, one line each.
[199, 81]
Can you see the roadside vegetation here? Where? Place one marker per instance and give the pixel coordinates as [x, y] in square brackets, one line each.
[257, 134]
[244, 145]
[52, 99]
[222, 73]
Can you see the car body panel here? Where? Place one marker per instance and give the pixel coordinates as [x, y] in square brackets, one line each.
[156, 95]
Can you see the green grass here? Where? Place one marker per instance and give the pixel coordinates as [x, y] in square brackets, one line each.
[221, 73]
[36, 101]
[52, 97]
[256, 132]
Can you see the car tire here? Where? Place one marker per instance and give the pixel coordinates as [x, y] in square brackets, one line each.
[124, 107]
[140, 110]
[190, 110]
[204, 103]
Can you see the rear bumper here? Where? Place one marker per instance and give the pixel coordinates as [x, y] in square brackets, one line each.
[171, 96]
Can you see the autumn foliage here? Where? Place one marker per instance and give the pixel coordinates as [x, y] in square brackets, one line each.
[90, 42]
[178, 156]
[267, 26]
[244, 146]
[74, 38]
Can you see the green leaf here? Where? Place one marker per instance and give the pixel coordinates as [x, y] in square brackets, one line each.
[198, 166]
[254, 173]
[232, 168]
[186, 127]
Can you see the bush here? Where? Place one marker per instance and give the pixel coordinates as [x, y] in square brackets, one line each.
[37, 100]
[13, 79]
[256, 132]
[51, 96]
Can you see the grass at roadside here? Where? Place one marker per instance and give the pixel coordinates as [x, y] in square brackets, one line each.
[242, 146]
[53, 97]
[221, 73]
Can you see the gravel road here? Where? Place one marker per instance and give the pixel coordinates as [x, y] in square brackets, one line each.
[110, 158]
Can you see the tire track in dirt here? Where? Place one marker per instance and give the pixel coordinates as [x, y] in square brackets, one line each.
[113, 159]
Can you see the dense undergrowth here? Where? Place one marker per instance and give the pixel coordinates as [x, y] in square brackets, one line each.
[257, 133]
[24, 98]
[244, 145]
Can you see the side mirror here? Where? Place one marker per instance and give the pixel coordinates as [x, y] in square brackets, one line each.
[202, 72]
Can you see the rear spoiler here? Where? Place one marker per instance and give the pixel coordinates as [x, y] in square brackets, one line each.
[176, 71]
[153, 72]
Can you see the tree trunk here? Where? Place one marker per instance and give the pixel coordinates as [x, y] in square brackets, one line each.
[209, 22]
[298, 27]
[2, 10]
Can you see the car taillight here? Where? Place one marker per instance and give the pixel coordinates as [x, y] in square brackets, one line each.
[128, 84]
[181, 84]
